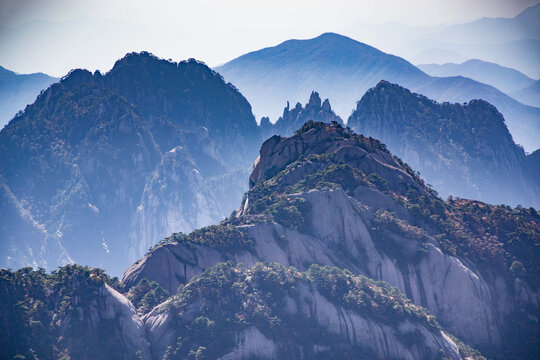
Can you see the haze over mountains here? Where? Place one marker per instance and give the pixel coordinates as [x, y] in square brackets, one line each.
[529, 95]
[511, 42]
[17, 91]
[102, 166]
[141, 151]
[344, 69]
[376, 211]
[505, 79]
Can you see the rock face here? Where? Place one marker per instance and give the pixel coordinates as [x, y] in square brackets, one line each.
[462, 150]
[331, 197]
[329, 326]
[106, 165]
[72, 313]
[293, 119]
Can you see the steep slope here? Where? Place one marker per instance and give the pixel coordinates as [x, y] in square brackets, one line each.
[89, 170]
[503, 78]
[267, 311]
[529, 95]
[344, 69]
[462, 150]
[19, 90]
[331, 197]
[73, 313]
[323, 313]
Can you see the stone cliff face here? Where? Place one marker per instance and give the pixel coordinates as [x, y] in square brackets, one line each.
[329, 328]
[462, 150]
[71, 313]
[330, 197]
[89, 171]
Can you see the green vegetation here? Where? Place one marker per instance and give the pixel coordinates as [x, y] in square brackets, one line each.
[225, 237]
[40, 318]
[230, 299]
[506, 238]
[146, 295]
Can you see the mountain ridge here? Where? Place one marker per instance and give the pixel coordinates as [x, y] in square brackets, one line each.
[101, 137]
[343, 69]
[18, 90]
[462, 149]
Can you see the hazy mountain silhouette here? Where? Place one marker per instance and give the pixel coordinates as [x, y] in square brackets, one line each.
[19, 90]
[344, 69]
[511, 42]
[503, 78]
[529, 95]
[525, 25]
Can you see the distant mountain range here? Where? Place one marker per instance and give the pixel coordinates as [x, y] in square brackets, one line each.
[463, 150]
[511, 42]
[529, 95]
[102, 166]
[19, 90]
[505, 79]
[525, 25]
[344, 69]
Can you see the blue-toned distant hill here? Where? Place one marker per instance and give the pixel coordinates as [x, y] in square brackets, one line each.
[344, 69]
[19, 90]
[512, 42]
[525, 25]
[529, 95]
[503, 78]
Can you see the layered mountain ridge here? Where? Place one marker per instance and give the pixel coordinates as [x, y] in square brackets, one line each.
[19, 90]
[326, 211]
[344, 69]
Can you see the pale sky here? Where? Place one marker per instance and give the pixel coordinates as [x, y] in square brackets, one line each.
[54, 36]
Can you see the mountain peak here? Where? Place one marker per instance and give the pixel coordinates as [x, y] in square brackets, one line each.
[314, 100]
[292, 119]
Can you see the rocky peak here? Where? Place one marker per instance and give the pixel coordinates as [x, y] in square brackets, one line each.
[314, 100]
[326, 105]
[316, 138]
[295, 118]
[332, 197]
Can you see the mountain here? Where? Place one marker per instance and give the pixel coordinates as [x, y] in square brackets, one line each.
[521, 54]
[18, 90]
[503, 78]
[304, 269]
[330, 197]
[510, 42]
[265, 311]
[344, 69]
[102, 166]
[522, 26]
[529, 95]
[463, 150]
[293, 119]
